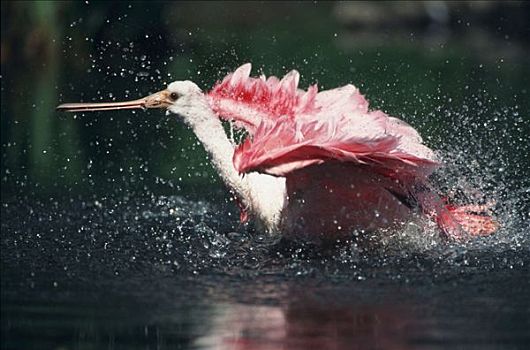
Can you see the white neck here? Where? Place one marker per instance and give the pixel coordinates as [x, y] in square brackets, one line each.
[262, 195]
[209, 130]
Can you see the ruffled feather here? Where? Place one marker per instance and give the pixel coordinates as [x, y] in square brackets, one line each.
[250, 101]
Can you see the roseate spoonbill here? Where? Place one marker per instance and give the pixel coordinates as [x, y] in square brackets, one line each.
[318, 164]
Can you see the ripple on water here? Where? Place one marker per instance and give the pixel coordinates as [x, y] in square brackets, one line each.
[173, 235]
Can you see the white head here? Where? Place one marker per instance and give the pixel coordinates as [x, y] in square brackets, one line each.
[181, 97]
[184, 88]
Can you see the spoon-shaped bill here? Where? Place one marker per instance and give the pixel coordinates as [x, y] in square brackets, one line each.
[101, 106]
[161, 99]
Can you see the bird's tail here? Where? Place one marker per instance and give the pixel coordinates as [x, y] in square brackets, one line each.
[457, 222]
[467, 220]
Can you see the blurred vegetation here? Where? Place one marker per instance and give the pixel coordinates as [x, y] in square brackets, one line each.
[437, 65]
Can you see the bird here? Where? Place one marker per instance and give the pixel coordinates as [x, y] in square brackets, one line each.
[313, 165]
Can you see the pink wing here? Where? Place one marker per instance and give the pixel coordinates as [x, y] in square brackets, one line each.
[291, 144]
[251, 101]
[291, 128]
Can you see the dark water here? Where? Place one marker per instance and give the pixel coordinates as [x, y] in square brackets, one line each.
[170, 273]
[117, 234]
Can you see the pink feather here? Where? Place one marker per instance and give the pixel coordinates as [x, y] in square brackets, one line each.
[250, 101]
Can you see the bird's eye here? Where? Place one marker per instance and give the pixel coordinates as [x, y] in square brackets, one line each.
[174, 96]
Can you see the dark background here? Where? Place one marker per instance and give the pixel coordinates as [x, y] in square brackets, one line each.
[457, 71]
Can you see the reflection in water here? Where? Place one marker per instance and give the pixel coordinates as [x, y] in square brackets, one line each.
[307, 325]
[349, 315]
[242, 326]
